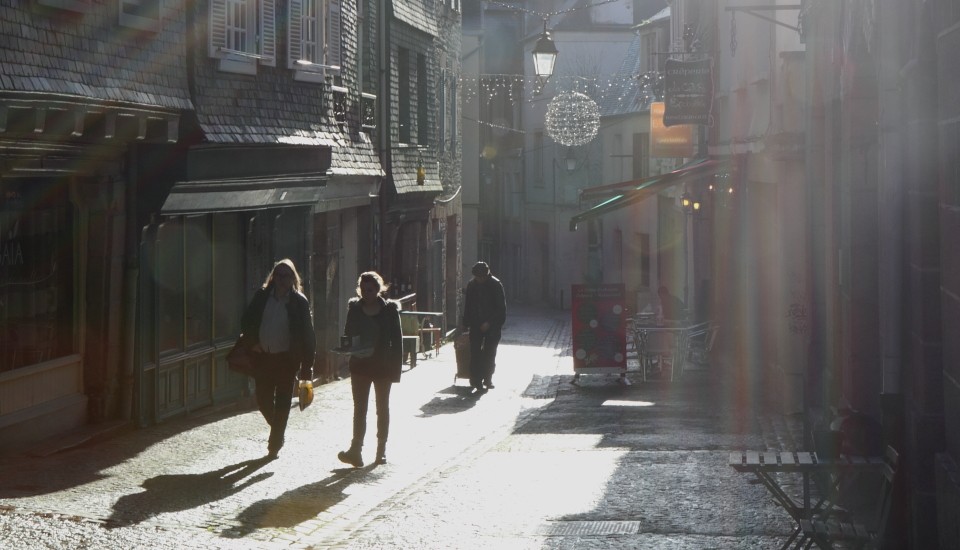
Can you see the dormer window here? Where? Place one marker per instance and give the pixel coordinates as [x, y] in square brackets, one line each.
[140, 14]
[315, 35]
[243, 34]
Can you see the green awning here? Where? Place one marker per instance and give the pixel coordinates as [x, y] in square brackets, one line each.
[631, 192]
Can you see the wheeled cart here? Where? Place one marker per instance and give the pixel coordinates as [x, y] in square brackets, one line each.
[461, 345]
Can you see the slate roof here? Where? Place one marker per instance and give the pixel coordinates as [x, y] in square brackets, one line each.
[625, 95]
[94, 57]
[357, 157]
[404, 171]
[416, 14]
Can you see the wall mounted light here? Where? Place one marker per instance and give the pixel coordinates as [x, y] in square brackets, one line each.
[571, 160]
[421, 172]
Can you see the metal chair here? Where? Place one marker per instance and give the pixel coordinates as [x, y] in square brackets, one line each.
[659, 347]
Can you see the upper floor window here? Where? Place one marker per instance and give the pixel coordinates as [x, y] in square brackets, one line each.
[403, 94]
[315, 38]
[79, 6]
[140, 14]
[243, 34]
[423, 125]
[651, 51]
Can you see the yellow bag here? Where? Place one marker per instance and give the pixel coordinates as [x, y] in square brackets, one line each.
[306, 394]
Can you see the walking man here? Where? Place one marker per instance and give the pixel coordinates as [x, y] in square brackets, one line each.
[484, 312]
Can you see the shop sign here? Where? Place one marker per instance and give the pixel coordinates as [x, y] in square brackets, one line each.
[672, 142]
[599, 327]
[688, 91]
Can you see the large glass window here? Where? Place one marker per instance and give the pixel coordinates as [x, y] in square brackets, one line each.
[36, 272]
[199, 279]
[228, 293]
[169, 277]
[198, 271]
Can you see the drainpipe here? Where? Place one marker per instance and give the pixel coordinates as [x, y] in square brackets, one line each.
[130, 277]
[384, 11]
[891, 196]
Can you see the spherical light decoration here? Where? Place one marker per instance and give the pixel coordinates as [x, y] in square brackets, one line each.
[572, 119]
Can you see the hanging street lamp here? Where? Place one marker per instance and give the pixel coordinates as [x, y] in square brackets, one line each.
[544, 55]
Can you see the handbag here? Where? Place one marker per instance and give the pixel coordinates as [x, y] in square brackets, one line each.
[241, 358]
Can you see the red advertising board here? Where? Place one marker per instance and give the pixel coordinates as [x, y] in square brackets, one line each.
[599, 327]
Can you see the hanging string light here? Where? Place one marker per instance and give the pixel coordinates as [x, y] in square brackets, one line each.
[601, 89]
[572, 119]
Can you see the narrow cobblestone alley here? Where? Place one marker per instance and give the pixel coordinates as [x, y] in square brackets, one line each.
[537, 462]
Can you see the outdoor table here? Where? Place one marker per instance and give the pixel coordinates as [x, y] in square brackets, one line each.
[671, 338]
[764, 464]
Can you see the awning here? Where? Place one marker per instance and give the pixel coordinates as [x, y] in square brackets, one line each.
[181, 201]
[631, 192]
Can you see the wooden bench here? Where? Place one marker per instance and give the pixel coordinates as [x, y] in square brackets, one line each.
[764, 464]
[826, 532]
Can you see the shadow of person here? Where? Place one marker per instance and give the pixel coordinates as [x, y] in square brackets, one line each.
[455, 399]
[294, 506]
[175, 492]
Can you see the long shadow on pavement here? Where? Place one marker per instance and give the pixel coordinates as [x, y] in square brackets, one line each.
[455, 399]
[26, 476]
[175, 492]
[295, 506]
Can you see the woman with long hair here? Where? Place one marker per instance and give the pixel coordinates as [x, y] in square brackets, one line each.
[279, 328]
[373, 327]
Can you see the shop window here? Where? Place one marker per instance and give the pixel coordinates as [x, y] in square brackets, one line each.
[36, 273]
[198, 280]
[169, 275]
[228, 293]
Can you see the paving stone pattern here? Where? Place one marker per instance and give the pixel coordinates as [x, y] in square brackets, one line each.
[537, 462]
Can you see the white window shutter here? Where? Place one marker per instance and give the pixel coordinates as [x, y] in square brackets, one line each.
[295, 39]
[333, 33]
[217, 38]
[268, 32]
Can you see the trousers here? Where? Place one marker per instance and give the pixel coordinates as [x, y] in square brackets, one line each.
[274, 380]
[483, 355]
[360, 385]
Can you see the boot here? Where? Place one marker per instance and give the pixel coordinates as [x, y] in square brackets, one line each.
[381, 452]
[351, 456]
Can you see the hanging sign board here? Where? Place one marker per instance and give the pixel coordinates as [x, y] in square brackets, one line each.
[599, 327]
[688, 91]
[672, 142]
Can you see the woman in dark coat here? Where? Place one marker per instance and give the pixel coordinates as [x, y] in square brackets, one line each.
[376, 358]
[278, 326]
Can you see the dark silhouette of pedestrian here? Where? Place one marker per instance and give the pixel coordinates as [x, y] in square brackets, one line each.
[279, 325]
[671, 307]
[376, 358]
[484, 312]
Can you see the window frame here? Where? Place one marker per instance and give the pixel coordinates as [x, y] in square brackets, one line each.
[323, 56]
[145, 20]
[78, 6]
[404, 120]
[261, 23]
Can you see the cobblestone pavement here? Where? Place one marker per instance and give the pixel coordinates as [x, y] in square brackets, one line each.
[537, 462]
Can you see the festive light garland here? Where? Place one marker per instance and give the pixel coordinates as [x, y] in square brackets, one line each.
[513, 88]
[572, 119]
